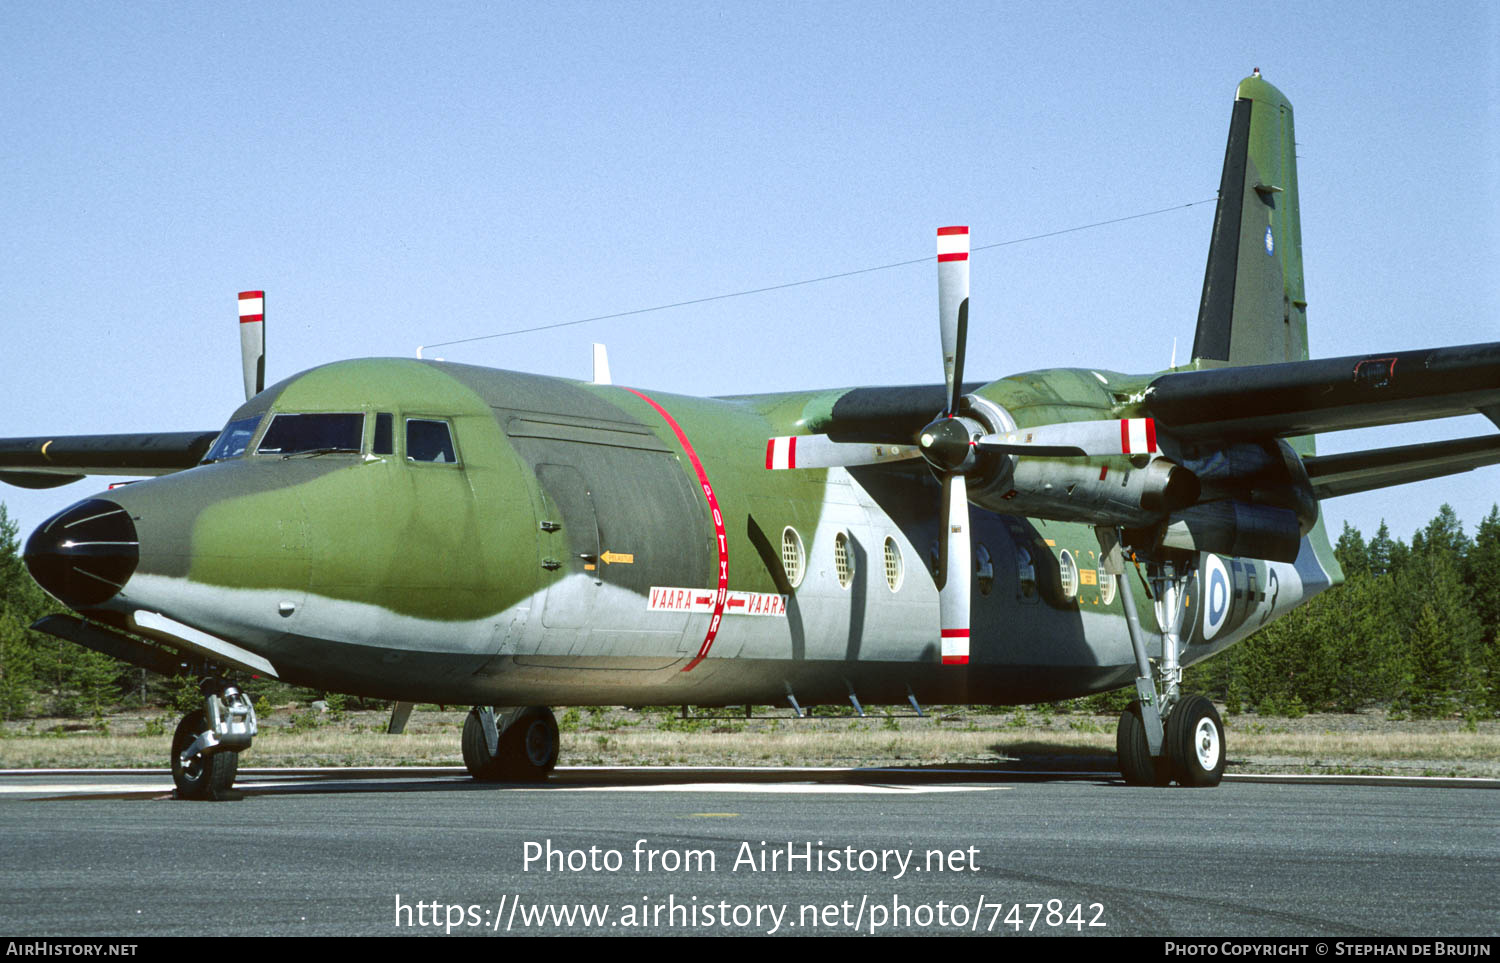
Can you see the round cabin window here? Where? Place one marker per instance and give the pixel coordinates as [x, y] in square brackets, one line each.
[894, 569]
[793, 558]
[843, 560]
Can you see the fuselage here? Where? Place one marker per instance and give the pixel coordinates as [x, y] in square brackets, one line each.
[468, 535]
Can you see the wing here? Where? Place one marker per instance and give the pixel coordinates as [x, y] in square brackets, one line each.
[1305, 397]
[49, 461]
[1363, 471]
[1361, 391]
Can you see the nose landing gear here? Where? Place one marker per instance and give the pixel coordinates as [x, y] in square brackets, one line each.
[207, 744]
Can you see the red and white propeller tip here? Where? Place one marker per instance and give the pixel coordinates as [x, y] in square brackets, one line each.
[954, 567]
[253, 341]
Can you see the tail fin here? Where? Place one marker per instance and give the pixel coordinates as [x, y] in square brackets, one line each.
[1254, 310]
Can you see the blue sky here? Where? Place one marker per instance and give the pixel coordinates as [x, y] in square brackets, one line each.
[394, 175]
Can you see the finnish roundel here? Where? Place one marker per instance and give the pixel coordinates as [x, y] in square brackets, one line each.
[1270, 242]
[1218, 591]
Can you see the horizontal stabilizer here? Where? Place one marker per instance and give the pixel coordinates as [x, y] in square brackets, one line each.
[46, 461]
[1306, 397]
[1363, 471]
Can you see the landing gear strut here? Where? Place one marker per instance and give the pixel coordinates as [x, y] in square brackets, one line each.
[207, 744]
[1163, 735]
[510, 744]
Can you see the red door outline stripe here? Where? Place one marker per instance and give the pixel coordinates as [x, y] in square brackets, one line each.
[720, 538]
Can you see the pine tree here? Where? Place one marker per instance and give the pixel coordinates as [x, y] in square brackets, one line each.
[1352, 553]
[1443, 635]
[17, 678]
[1482, 571]
[1382, 551]
[1443, 535]
[21, 603]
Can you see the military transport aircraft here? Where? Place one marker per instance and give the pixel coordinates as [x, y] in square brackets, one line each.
[421, 531]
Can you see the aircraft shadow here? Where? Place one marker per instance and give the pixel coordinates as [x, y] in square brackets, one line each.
[1029, 769]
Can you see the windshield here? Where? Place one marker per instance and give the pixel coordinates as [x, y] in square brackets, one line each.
[233, 440]
[293, 434]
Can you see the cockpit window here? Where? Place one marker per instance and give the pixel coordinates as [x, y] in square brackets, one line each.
[233, 440]
[429, 441]
[313, 434]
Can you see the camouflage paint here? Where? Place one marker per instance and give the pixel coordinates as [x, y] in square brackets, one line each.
[520, 575]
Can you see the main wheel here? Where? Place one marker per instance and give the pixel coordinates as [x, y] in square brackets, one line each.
[534, 743]
[1137, 764]
[528, 747]
[1195, 742]
[208, 775]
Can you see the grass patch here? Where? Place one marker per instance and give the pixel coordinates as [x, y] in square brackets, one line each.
[974, 736]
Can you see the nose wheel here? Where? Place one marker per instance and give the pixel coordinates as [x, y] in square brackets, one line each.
[205, 775]
[207, 744]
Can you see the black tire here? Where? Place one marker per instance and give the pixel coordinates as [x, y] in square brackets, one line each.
[533, 743]
[528, 747]
[1195, 742]
[477, 759]
[1137, 764]
[210, 775]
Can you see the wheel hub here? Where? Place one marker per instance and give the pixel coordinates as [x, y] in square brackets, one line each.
[1206, 744]
[538, 744]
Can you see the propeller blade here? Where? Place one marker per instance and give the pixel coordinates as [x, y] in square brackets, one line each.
[1116, 436]
[953, 306]
[253, 341]
[954, 563]
[819, 451]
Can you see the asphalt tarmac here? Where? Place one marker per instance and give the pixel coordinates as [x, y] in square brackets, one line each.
[741, 852]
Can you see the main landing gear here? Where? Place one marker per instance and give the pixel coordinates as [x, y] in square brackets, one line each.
[1193, 747]
[510, 744]
[1163, 736]
[207, 744]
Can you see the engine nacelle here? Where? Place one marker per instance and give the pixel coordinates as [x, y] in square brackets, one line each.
[1114, 491]
[1087, 491]
[1236, 528]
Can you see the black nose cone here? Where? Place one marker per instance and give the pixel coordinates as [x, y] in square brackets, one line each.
[85, 554]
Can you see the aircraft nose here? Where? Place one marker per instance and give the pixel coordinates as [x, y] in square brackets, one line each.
[84, 554]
